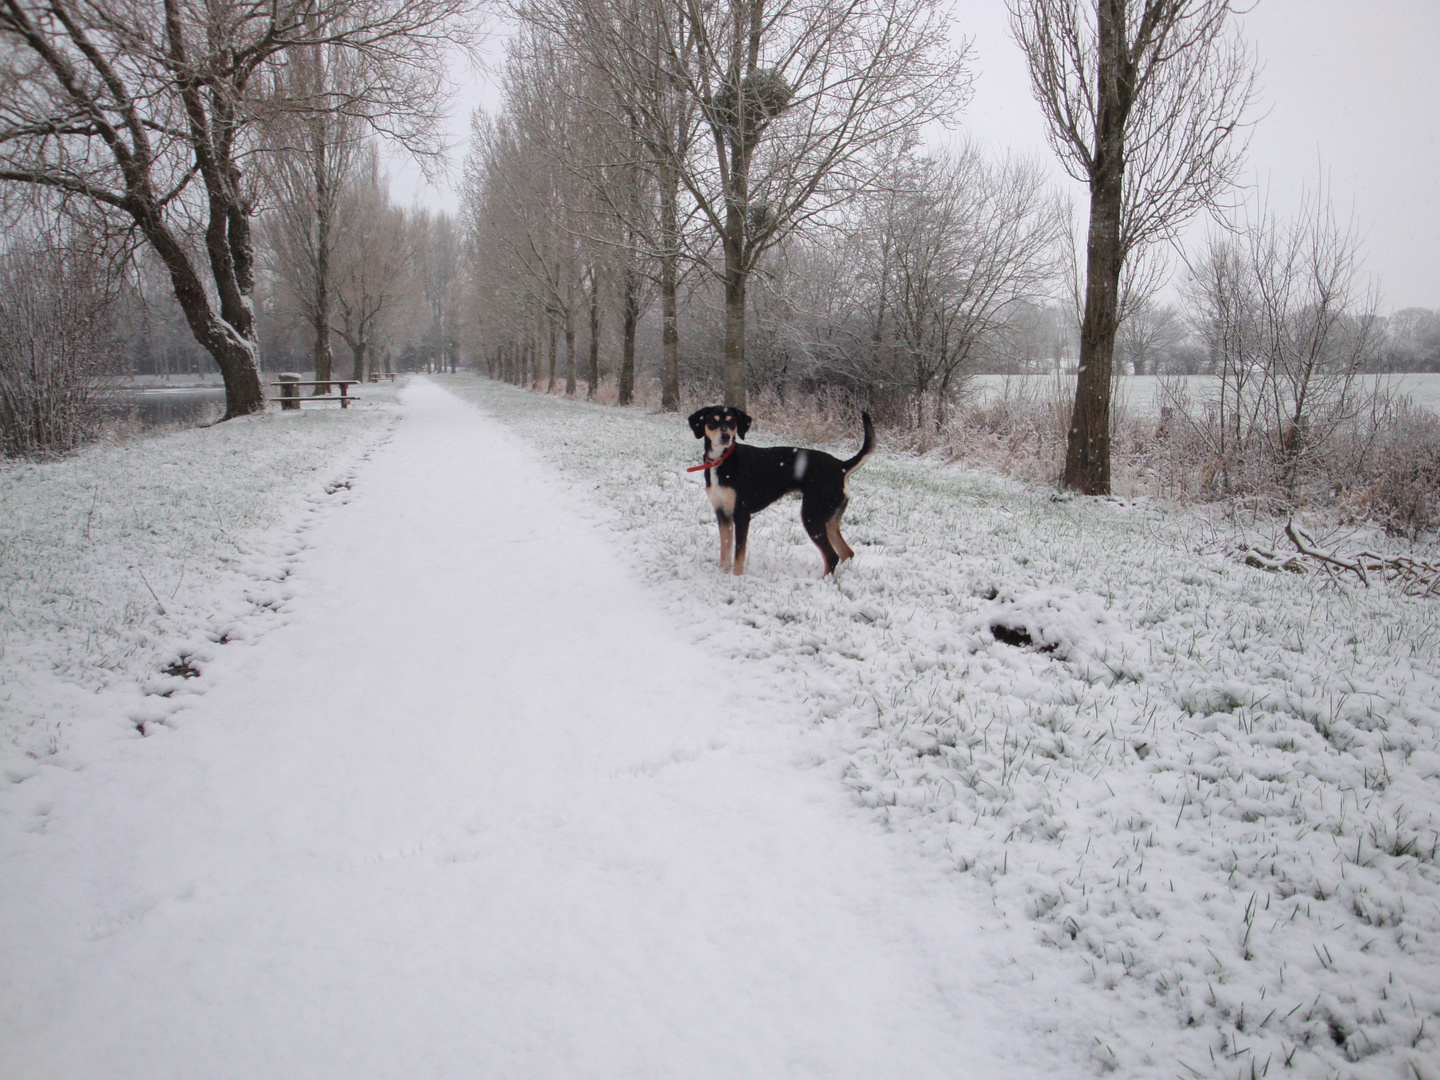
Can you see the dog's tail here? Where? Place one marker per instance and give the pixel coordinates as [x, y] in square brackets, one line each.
[866, 449]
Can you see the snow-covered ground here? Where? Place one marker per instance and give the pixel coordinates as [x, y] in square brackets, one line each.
[462, 803]
[117, 562]
[1213, 791]
[450, 793]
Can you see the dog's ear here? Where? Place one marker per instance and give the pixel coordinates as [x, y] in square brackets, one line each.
[742, 423]
[697, 421]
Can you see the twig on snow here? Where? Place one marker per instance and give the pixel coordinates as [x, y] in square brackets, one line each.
[1414, 577]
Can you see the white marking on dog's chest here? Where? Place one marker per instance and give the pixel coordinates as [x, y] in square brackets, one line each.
[802, 461]
[721, 497]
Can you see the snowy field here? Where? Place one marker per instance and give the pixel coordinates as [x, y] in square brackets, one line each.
[1143, 394]
[119, 561]
[1191, 830]
[447, 801]
[1209, 794]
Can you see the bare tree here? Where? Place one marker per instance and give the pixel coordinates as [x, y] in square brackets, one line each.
[1289, 328]
[375, 260]
[310, 158]
[1414, 340]
[794, 97]
[438, 266]
[967, 243]
[145, 111]
[1142, 99]
[1147, 335]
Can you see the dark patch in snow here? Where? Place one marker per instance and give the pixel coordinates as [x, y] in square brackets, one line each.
[183, 669]
[1337, 1033]
[1017, 636]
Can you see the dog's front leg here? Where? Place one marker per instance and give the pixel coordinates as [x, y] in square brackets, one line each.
[742, 533]
[727, 538]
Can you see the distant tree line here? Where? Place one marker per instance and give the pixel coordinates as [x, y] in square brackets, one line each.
[672, 201]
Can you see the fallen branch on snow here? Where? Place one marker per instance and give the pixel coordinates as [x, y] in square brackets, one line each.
[1414, 577]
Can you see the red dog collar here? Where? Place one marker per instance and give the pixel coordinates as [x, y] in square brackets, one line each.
[715, 463]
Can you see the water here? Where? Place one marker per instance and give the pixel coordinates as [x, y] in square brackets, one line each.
[161, 405]
[1143, 394]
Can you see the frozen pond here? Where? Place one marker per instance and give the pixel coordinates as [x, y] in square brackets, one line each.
[1143, 393]
[162, 405]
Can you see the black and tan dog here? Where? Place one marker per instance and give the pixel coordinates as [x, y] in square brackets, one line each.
[742, 480]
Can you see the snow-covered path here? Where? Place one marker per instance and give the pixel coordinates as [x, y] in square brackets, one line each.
[478, 810]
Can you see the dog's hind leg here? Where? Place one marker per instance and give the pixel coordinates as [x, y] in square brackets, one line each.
[832, 530]
[817, 525]
[742, 534]
[727, 538]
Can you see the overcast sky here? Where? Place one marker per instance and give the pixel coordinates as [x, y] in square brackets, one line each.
[1349, 92]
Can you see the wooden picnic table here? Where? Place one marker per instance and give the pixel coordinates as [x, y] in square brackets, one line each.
[290, 396]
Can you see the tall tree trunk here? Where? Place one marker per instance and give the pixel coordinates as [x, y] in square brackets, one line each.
[230, 339]
[323, 356]
[592, 374]
[741, 141]
[669, 287]
[570, 352]
[734, 374]
[551, 350]
[629, 318]
[1087, 453]
[357, 354]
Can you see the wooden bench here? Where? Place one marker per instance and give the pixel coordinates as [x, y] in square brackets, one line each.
[290, 396]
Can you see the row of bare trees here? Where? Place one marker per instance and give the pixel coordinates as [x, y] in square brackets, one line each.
[651, 144]
[76, 311]
[158, 122]
[646, 151]
[645, 143]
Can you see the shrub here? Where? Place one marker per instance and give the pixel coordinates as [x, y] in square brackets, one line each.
[1404, 486]
[54, 317]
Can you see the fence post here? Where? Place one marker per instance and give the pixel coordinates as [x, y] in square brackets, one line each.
[289, 388]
